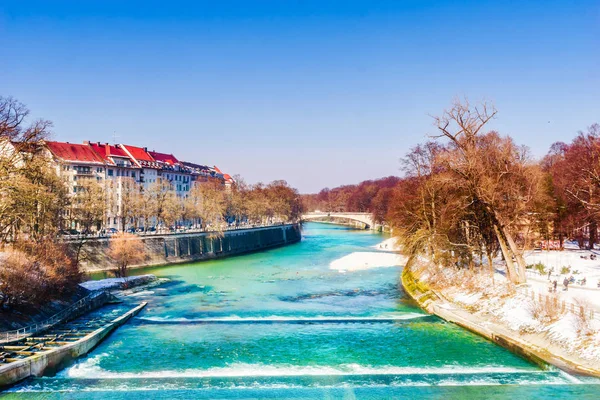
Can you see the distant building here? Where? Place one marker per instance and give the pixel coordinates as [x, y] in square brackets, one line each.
[173, 171]
[117, 166]
[76, 163]
[200, 173]
[148, 166]
[121, 171]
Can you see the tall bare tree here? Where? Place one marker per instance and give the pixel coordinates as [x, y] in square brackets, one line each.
[493, 172]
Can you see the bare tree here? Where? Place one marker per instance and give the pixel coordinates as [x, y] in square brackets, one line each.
[493, 172]
[131, 202]
[207, 201]
[125, 249]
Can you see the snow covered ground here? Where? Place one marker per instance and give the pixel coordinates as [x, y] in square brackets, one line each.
[520, 311]
[366, 260]
[371, 259]
[580, 266]
[117, 283]
[390, 244]
[579, 263]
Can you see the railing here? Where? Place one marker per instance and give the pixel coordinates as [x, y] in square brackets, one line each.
[161, 232]
[582, 309]
[88, 303]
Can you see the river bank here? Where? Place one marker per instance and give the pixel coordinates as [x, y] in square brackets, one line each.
[181, 248]
[56, 347]
[283, 323]
[534, 346]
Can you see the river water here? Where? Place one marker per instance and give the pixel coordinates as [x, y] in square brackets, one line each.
[282, 324]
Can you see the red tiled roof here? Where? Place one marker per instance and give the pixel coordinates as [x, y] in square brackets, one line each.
[166, 158]
[138, 153]
[113, 151]
[74, 152]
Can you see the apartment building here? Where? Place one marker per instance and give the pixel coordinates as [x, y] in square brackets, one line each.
[116, 167]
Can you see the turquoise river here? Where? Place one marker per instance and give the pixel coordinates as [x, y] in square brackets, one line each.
[282, 324]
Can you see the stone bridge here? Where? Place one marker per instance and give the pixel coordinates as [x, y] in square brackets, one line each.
[365, 218]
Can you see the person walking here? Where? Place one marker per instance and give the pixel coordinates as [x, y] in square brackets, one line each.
[554, 284]
[566, 284]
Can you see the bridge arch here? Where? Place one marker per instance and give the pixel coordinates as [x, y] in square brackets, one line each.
[365, 218]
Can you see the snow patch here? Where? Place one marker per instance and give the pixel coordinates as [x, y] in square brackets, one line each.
[117, 283]
[390, 244]
[366, 260]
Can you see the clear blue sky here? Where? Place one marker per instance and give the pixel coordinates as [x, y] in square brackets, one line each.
[319, 93]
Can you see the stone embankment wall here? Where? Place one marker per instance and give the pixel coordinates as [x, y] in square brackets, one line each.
[52, 360]
[186, 247]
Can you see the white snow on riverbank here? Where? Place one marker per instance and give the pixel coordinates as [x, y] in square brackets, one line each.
[578, 261]
[117, 283]
[390, 244]
[366, 260]
[521, 311]
[580, 266]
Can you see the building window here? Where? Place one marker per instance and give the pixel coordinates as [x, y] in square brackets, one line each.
[110, 172]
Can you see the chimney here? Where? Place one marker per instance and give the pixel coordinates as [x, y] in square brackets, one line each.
[146, 149]
[107, 150]
[86, 142]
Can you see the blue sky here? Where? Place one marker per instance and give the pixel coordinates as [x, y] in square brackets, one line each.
[319, 93]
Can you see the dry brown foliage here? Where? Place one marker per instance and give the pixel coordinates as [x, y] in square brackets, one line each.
[125, 249]
[547, 309]
[34, 273]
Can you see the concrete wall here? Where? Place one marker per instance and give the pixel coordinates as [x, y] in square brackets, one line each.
[52, 360]
[186, 247]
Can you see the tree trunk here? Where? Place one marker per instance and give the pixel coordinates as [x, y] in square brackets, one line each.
[490, 264]
[593, 227]
[510, 266]
[518, 256]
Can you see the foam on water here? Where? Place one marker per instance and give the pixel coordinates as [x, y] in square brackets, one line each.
[285, 319]
[90, 368]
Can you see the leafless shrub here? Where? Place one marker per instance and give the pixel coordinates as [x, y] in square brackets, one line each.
[125, 249]
[547, 309]
[34, 273]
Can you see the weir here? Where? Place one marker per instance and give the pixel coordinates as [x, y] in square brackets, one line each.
[289, 320]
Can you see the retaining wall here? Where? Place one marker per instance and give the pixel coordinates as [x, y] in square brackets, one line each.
[186, 247]
[53, 359]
